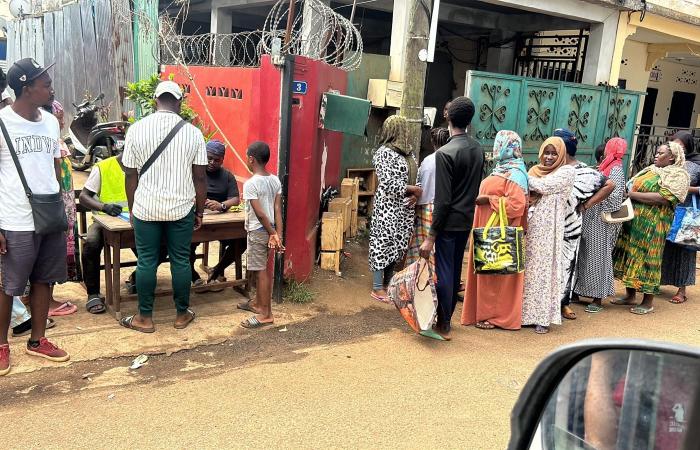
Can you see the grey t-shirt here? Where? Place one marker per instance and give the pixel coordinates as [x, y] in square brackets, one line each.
[264, 189]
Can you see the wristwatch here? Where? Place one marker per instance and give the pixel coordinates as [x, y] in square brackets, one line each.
[223, 207]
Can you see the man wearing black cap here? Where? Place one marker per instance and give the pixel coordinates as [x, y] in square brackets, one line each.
[25, 255]
[222, 194]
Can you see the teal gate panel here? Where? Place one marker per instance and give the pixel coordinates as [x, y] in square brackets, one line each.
[534, 108]
[497, 106]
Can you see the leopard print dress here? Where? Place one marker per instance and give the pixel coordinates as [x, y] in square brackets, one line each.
[392, 221]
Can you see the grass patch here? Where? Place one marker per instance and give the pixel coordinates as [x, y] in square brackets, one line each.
[295, 292]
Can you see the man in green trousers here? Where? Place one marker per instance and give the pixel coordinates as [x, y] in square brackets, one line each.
[165, 161]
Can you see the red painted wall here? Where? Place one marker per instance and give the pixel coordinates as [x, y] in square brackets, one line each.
[245, 102]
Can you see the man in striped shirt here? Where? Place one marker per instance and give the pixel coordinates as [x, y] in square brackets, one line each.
[161, 201]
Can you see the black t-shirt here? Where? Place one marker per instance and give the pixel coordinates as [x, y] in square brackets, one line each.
[221, 185]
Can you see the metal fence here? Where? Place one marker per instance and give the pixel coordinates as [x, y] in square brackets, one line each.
[91, 46]
[649, 138]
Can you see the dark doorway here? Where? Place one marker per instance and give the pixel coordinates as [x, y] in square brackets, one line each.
[649, 106]
[681, 109]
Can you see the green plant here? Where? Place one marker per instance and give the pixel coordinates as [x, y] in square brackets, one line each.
[142, 92]
[295, 292]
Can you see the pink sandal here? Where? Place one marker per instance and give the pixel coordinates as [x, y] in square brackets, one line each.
[379, 298]
[65, 309]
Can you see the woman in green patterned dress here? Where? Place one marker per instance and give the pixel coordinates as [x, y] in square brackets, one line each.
[655, 192]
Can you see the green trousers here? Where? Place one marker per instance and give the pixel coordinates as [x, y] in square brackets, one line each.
[177, 236]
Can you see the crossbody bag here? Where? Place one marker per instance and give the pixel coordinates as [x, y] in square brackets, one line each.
[149, 162]
[48, 210]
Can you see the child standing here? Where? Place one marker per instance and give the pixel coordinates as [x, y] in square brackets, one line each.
[263, 222]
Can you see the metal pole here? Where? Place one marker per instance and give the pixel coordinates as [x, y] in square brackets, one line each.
[290, 23]
[283, 165]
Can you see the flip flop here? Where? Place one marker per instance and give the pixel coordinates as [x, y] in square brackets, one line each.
[50, 323]
[253, 322]
[621, 302]
[641, 311]
[593, 308]
[245, 306]
[95, 305]
[541, 330]
[182, 326]
[128, 322]
[432, 334]
[379, 298]
[64, 309]
[678, 299]
[570, 315]
[485, 325]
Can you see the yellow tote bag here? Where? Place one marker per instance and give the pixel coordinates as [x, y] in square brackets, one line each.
[499, 249]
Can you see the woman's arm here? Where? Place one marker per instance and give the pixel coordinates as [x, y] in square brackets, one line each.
[559, 181]
[600, 196]
[516, 201]
[649, 198]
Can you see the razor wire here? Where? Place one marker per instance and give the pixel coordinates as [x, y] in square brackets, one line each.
[326, 36]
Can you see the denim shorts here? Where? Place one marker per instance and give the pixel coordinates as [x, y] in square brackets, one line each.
[32, 258]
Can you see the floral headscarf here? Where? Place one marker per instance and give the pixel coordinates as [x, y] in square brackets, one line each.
[673, 178]
[615, 150]
[508, 154]
[540, 170]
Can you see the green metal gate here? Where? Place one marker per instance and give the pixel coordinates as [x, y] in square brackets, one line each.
[535, 108]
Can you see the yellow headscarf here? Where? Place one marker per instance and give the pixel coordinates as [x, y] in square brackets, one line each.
[673, 178]
[540, 170]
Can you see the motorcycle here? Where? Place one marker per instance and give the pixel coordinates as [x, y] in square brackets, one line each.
[89, 141]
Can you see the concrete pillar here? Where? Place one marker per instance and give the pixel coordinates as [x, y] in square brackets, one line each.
[312, 28]
[221, 23]
[500, 60]
[399, 37]
[601, 50]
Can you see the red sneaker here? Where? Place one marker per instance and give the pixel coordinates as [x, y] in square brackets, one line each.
[4, 359]
[47, 350]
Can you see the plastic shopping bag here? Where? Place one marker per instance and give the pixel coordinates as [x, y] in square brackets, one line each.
[685, 229]
[413, 293]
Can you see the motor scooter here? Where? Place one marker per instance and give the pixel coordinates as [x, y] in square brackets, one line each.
[89, 141]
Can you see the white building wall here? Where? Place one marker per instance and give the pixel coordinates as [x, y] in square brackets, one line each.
[675, 76]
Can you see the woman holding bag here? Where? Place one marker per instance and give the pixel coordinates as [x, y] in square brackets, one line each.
[594, 278]
[550, 185]
[678, 265]
[492, 300]
[655, 192]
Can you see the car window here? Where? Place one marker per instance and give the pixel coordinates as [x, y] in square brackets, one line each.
[621, 400]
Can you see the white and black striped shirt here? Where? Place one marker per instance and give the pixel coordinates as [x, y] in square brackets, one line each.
[166, 191]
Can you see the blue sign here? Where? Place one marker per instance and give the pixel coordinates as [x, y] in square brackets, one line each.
[300, 87]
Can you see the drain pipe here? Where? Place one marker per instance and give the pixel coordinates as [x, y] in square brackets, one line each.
[283, 164]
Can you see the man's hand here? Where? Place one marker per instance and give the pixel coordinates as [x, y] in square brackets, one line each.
[197, 222]
[275, 242]
[3, 245]
[212, 205]
[427, 247]
[112, 209]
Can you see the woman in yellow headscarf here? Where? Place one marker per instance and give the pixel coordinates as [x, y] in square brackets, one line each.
[550, 184]
[655, 192]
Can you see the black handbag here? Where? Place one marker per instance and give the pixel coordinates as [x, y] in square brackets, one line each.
[48, 210]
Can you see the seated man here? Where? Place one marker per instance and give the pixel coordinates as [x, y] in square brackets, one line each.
[222, 194]
[104, 193]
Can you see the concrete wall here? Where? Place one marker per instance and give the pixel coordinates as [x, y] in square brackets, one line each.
[675, 76]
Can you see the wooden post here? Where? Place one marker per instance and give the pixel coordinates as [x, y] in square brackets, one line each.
[406, 67]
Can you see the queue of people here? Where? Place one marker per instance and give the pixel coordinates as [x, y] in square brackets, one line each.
[573, 250]
[163, 183]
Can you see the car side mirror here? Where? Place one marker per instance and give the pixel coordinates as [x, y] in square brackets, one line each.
[611, 395]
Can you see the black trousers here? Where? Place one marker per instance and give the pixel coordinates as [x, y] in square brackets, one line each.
[449, 255]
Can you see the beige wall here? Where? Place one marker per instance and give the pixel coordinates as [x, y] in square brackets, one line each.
[675, 76]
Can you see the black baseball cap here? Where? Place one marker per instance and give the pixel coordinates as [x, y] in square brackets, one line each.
[23, 72]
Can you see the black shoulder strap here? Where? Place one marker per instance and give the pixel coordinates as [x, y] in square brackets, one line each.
[11, 149]
[161, 147]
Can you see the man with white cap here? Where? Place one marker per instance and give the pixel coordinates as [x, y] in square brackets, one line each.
[165, 161]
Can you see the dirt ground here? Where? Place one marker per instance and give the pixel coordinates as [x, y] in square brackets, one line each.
[341, 372]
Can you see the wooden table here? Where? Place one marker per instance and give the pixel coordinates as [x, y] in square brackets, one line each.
[119, 235]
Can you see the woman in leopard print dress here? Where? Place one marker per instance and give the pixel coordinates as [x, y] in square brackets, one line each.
[394, 203]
